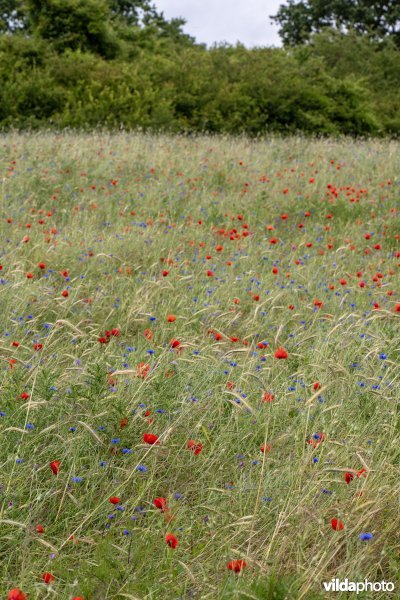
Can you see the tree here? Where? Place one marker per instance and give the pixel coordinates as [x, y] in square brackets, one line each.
[298, 20]
[131, 13]
[73, 24]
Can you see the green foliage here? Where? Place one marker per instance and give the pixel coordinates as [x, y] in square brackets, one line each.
[89, 64]
[74, 24]
[300, 19]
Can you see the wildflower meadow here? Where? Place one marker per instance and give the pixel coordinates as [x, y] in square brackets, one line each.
[199, 343]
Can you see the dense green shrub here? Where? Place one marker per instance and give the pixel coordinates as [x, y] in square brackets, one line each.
[338, 84]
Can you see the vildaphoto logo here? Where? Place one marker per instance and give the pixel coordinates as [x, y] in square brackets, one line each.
[336, 585]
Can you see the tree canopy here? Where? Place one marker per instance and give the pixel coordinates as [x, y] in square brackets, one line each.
[298, 20]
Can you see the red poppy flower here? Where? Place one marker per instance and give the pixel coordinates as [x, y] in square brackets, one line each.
[337, 525]
[343, 281]
[275, 270]
[397, 307]
[291, 306]
[115, 500]
[237, 565]
[39, 528]
[348, 477]
[281, 353]
[175, 343]
[268, 397]
[29, 275]
[165, 273]
[65, 293]
[48, 577]
[115, 332]
[103, 340]
[148, 334]
[210, 273]
[171, 540]
[42, 265]
[160, 503]
[37, 346]
[142, 370]
[195, 447]
[265, 448]
[24, 396]
[219, 248]
[15, 344]
[150, 438]
[316, 385]
[55, 466]
[16, 594]
[171, 318]
[78, 598]
[318, 303]
[123, 423]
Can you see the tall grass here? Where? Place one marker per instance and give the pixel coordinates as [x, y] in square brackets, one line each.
[115, 211]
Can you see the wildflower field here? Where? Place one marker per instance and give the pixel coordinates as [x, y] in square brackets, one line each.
[199, 343]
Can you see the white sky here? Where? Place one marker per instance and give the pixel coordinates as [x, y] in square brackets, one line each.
[210, 21]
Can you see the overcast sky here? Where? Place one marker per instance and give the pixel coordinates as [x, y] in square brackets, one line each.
[210, 21]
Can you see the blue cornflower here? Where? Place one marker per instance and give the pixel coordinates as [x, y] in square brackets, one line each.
[383, 356]
[365, 536]
[126, 451]
[77, 479]
[115, 440]
[30, 426]
[142, 469]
